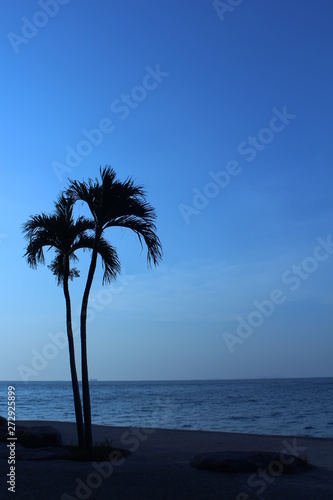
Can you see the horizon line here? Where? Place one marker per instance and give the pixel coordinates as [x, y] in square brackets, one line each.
[174, 380]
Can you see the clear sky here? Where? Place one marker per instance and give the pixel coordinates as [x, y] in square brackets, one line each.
[224, 113]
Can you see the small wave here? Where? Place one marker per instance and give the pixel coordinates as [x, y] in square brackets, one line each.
[308, 427]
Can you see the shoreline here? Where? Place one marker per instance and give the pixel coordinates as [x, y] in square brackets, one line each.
[54, 423]
[184, 429]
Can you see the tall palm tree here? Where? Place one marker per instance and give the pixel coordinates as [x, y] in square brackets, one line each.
[65, 235]
[112, 204]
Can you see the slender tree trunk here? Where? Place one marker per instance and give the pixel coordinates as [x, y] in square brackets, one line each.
[85, 377]
[75, 383]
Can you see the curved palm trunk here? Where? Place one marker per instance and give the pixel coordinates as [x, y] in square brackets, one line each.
[83, 328]
[75, 383]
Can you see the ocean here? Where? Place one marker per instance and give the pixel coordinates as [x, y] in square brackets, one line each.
[299, 407]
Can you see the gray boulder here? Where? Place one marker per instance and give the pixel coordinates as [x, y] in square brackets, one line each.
[249, 461]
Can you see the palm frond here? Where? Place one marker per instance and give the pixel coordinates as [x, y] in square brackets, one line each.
[59, 231]
[115, 203]
[110, 260]
[108, 254]
[145, 231]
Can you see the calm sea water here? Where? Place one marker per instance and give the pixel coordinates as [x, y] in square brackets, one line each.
[301, 407]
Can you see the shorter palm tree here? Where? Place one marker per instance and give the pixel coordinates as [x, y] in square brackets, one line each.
[65, 235]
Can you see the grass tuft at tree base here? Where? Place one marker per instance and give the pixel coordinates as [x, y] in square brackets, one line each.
[103, 452]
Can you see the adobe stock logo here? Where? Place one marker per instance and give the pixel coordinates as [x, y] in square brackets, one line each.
[122, 107]
[41, 358]
[40, 18]
[222, 7]
[257, 482]
[293, 277]
[249, 149]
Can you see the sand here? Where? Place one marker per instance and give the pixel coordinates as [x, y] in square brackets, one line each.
[159, 468]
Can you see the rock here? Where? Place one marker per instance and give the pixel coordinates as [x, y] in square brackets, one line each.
[39, 437]
[249, 461]
[3, 422]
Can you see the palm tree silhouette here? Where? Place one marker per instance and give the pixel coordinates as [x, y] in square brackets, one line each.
[65, 235]
[112, 204]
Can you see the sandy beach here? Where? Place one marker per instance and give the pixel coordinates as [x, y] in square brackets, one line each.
[159, 468]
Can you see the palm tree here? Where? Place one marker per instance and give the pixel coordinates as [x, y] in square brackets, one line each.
[112, 204]
[66, 236]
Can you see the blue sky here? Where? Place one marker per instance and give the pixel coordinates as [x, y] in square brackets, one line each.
[226, 119]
